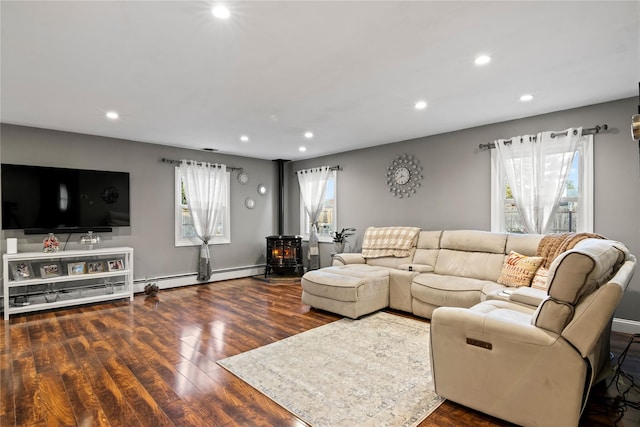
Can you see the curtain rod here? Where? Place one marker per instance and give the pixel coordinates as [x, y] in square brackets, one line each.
[177, 162]
[333, 168]
[590, 131]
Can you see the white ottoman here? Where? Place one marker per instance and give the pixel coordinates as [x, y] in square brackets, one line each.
[348, 292]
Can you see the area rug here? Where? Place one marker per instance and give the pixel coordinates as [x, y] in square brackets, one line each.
[374, 371]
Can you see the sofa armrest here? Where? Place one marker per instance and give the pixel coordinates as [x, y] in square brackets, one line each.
[495, 319]
[348, 258]
[529, 296]
[420, 268]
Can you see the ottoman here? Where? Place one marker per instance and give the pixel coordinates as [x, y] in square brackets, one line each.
[346, 291]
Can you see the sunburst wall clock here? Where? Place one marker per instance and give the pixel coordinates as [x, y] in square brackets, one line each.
[404, 175]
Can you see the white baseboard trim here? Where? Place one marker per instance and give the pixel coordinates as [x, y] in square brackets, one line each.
[188, 279]
[626, 326]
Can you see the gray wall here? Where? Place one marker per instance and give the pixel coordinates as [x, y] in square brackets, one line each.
[455, 192]
[152, 197]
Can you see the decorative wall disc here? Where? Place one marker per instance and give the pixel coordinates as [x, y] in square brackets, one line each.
[404, 175]
[243, 178]
[249, 203]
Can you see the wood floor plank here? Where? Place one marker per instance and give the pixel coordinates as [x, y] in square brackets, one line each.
[7, 393]
[113, 402]
[153, 362]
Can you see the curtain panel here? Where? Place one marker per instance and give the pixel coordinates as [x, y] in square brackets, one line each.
[205, 186]
[313, 183]
[536, 167]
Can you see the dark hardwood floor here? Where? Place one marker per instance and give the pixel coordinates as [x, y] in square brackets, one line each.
[153, 362]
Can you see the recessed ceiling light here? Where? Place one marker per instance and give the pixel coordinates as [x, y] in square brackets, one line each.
[302, 149]
[308, 134]
[526, 97]
[244, 138]
[112, 115]
[221, 12]
[482, 60]
[421, 105]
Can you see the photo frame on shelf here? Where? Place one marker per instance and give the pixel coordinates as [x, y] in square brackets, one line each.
[75, 268]
[95, 267]
[115, 265]
[21, 271]
[50, 269]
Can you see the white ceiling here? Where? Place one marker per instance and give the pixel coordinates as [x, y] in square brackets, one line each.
[350, 72]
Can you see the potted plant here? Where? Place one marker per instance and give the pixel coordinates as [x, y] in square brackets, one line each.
[340, 238]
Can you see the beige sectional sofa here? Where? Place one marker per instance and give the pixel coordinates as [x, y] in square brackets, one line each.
[452, 268]
[529, 356]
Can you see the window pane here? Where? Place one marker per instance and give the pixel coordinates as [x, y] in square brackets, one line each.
[185, 231]
[328, 217]
[566, 216]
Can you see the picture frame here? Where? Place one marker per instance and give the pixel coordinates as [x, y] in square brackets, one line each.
[95, 267]
[51, 269]
[75, 268]
[21, 271]
[115, 265]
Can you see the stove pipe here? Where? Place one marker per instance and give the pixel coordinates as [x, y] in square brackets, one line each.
[281, 163]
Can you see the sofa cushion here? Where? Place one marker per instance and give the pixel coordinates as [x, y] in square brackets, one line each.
[344, 287]
[429, 239]
[525, 244]
[518, 269]
[450, 291]
[474, 241]
[391, 261]
[474, 265]
[539, 280]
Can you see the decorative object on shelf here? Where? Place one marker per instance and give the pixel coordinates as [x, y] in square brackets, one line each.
[109, 285]
[51, 294]
[51, 243]
[12, 245]
[340, 238]
[51, 269]
[21, 301]
[404, 175]
[151, 289]
[249, 203]
[21, 271]
[115, 265]
[262, 189]
[75, 268]
[243, 178]
[90, 239]
[95, 267]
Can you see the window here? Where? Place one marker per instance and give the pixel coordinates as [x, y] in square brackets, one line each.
[328, 215]
[575, 211]
[185, 232]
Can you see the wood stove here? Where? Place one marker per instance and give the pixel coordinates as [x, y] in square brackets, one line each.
[284, 255]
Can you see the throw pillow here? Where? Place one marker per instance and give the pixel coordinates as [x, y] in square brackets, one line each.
[540, 279]
[518, 269]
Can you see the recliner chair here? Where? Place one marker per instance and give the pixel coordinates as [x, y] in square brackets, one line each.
[534, 365]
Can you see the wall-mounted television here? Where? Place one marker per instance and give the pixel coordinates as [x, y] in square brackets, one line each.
[40, 199]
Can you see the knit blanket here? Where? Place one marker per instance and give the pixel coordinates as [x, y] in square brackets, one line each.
[389, 241]
[553, 245]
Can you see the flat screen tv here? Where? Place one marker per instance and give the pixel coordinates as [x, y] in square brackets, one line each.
[40, 199]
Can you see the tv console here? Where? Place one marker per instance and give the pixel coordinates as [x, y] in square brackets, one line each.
[35, 281]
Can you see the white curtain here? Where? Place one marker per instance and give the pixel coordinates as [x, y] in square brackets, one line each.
[205, 186]
[313, 183]
[537, 168]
